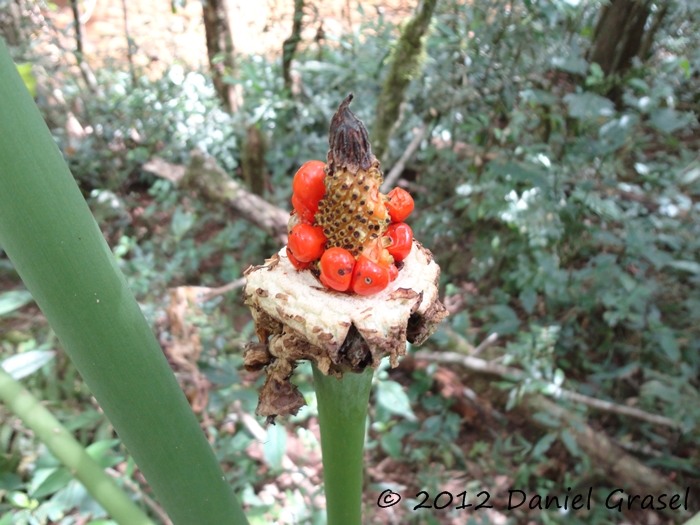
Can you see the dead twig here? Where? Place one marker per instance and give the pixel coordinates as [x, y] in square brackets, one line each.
[221, 290]
[476, 364]
[211, 182]
[486, 343]
[398, 168]
[134, 487]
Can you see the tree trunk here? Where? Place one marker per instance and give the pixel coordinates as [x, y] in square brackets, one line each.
[11, 24]
[253, 160]
[290, 44]
[85, 69]
[219, 49]
[648, 41]
[403, 67]
[618, 35]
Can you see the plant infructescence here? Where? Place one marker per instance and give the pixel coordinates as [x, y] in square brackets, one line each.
[378, 292]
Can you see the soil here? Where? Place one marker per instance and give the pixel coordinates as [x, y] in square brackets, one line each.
[163, 37]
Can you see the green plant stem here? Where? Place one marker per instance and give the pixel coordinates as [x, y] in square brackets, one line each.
[342, 413]
[695, 520]
[50, 236]
[69, 452]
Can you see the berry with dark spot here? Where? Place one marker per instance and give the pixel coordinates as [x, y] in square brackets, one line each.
[337, 265]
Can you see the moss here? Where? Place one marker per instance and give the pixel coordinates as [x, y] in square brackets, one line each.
[404, 65]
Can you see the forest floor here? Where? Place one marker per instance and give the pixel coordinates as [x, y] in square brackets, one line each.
[163, 37]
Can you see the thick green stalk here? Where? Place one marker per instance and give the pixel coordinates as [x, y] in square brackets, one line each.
[69, 452]
[695, 520]
[342, 412]
[51, 238]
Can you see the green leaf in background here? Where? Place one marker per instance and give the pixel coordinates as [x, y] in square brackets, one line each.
[181, 223]
[392, 398]
[14, 299]
[26, 363]
[83, 419]
[391, 445]
[543, 444]
[570, 442]
[669, 120]
[508, 321]
[275, 447]
[546, 419]
[686, 266]
[669, 345]
[9, 481]
[528, 299]
[48, 481]
[589, 105]
[571, 64]
[690, 176]
[25, 71]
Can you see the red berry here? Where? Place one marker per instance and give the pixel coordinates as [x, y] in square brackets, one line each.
[296, 263]
[336, 269]
[375, 251]
[401, 237]
[368, 277]
[307, 242]
[308, 184]
[303, 212]
[393, 272]
[400, 204]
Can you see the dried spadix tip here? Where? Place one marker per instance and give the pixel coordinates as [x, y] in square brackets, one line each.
[349, 141]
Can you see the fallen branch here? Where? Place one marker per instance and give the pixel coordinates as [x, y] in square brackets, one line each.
[136, 489]
[618, 464]
[486, 343]
[397, 169]
[476, 364]
[207, 178]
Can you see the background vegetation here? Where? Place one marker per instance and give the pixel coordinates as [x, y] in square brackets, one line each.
[558, 193]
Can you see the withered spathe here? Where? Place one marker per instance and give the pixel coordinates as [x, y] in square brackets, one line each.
[297, 318]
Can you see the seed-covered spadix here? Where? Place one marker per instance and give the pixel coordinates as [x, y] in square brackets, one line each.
[349, 289]
[296, 318]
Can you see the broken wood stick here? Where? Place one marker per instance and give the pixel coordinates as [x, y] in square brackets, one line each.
[476, 364]
[209, 180]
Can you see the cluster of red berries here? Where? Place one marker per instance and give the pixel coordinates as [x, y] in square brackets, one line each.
[374, 268]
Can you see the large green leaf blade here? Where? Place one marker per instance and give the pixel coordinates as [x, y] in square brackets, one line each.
[57, 248]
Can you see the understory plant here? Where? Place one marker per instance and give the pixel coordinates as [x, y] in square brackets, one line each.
[345, 293]
[49, 234]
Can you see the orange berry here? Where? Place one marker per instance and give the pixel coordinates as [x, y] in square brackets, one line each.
[308, 184]
[336, 269]
[307, 242]
[368, 277]
[400, 204]
[401, 237]
[295, 262]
